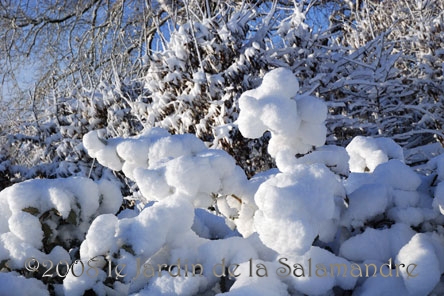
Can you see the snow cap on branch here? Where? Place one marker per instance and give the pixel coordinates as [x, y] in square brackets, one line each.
[296, 122]
[367, 153]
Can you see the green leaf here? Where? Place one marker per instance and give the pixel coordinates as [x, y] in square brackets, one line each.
[72, 218]
[31, 210]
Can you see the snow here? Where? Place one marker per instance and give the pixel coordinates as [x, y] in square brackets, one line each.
[367, 153]
[100, 237]
[296, 122]
[111, 197]
[11, 282]
[326, 205]
[209, 226]
[426, 273]
[27, 228]
[438, 164]
[78, 285]
[334, 157]
[398, 175]
[320, 284]
[167, 285]
[110, 235]
[382, 286]
[173, 165]
[311, 109]
[411, 216]
[158, 222]
[365, 203]
[252, 286]
[438, 201]
[405, 198]
[291, 207]
[36, 205]
[394, 174]
[376, 244]
[103, 150]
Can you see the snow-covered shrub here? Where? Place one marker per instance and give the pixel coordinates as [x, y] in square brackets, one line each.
[397, 81]
[437, 164]
[367, 153]
[222, 83]
[53, 148]
[195, 82]
[164, 165]
[47, 219]
[283, 212]
[392, 189]
[279, 211]
[295, 123]
[201, 227]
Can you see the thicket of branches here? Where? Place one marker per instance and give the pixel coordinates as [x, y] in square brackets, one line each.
[124, 65]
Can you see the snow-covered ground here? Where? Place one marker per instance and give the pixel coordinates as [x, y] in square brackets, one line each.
[333, 220]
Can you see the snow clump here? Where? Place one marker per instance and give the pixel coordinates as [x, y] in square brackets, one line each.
[296, 123]
[165, 165]
[293, 208]
[37, 214]
[367, 153]
[392, 187]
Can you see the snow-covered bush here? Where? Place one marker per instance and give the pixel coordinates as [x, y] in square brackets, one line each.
[367, 153]
[163, 165]
[396, 77]
[53, 148]
[195, 82]
[43, 220]
[201, 227]
[276, 211]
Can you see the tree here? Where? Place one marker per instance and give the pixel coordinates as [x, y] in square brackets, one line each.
[181, 65]
[109, 49]
[408, 91]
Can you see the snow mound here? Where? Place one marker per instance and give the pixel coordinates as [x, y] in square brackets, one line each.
[334, 157]
[296, 123]
[164, 165]
[11, 282]
[376, 244]
[166, 223]
[54, 211]
[257, 286]
[367, 153]
[167, 285]
[393, 174]
[417, 267]
[425, 271]
[328, 271]
[365, 203]
[392, 187]
[293, 207]
[120, 153]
